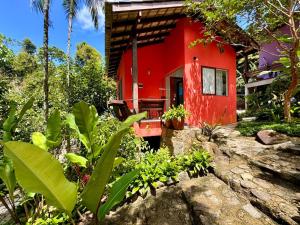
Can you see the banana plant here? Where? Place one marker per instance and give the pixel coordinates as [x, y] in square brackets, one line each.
[38, 171]
[52, 138]
[7, 173]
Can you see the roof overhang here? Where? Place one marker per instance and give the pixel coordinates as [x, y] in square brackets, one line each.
[150, 21]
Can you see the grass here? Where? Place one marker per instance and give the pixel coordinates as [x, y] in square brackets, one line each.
[251, 128]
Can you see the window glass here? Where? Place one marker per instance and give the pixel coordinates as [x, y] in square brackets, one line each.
[208, 81]
[221, 82]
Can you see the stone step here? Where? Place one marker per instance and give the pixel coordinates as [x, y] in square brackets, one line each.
[275, 197]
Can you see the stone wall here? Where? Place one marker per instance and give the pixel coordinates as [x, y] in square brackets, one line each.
[178, 141]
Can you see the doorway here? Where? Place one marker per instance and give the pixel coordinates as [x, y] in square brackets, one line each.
[174, 88]
[176, 91]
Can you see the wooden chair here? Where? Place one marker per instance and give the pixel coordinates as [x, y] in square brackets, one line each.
[120, 109]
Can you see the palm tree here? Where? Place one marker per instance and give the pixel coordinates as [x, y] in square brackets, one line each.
[43, 6]
[71, 7]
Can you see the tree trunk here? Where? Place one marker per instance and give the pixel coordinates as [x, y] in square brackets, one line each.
[70, 24]
[292, 87]
[46, 58]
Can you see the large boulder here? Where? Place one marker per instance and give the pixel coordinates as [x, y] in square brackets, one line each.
[271, 137]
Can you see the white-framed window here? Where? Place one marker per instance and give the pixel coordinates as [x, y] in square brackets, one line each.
[214, 81]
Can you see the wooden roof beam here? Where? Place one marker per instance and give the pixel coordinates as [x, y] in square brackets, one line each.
[148, 20]
[141, 38]
[144, 30]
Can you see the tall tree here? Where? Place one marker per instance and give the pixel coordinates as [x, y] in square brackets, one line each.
[261, 19]
[28, 46]
[43, 6]
[71, 7]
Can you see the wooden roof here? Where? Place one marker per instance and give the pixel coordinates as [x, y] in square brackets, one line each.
[152, 22]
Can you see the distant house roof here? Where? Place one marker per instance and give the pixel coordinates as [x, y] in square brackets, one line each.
[152, 22]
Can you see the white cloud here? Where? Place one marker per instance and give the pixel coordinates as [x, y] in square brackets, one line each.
[85, 21]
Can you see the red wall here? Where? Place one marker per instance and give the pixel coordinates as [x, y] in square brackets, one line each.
[174, 53]
[207, 108]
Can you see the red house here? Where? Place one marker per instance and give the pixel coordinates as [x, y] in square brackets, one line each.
[148, 52]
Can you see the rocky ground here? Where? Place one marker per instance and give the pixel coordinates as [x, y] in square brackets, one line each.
[252, 183]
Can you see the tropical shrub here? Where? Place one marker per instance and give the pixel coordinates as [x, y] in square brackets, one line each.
[154, 167]
[195, 163]
[50, 180]
[209, 129]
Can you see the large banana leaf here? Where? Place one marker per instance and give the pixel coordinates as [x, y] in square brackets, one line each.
[39, 172]
[53, 134]
[117, 193]
[86, 119]
[94, 190]
[38, 139]
[8, 176]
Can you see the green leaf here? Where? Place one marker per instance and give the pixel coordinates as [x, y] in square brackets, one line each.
[53, 134]
[76, 159]
[117, 193]
[94, 190]
[24, 109]
[118, 161]
[39, 140]
[9, 123]
[7, 175]
[39, 172]
[86, 119]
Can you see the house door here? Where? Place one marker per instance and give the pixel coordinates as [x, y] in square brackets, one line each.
[176, 91]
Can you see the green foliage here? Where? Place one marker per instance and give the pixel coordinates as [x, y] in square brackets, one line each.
[84, 121]
[104, 166]
[117, 193]
[6, 57]
[251, 128]
[10, 124]
[175, 113]
[39, 172]
[154, 167]
[52, 138]
[7, 174]
[195, 163]
[76, 159]
[24, 63]
[28, 46]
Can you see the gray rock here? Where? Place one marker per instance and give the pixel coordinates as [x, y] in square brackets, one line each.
[248, 184]
[271, 137]
[246, 176]
[182, 176]
[261, 195]
[252, 211]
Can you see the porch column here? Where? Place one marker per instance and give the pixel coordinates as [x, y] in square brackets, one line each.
[135, 88]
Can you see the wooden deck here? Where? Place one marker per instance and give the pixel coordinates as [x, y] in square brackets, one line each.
[148, 128]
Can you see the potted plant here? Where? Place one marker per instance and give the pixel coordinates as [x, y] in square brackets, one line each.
[167, 119]
[175, 116]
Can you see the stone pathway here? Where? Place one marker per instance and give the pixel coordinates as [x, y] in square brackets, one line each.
[204, 201]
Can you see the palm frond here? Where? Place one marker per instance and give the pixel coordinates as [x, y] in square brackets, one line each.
[94, 7]
[38, 5]
[71, 7]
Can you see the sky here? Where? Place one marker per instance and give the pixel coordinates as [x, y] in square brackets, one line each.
[18, 20]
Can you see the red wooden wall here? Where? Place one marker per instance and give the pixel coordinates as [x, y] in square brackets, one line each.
[155, 62]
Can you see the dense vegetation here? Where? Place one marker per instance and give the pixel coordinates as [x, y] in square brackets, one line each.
[251, 128]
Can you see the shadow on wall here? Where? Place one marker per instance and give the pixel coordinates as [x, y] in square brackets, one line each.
[205, 108]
